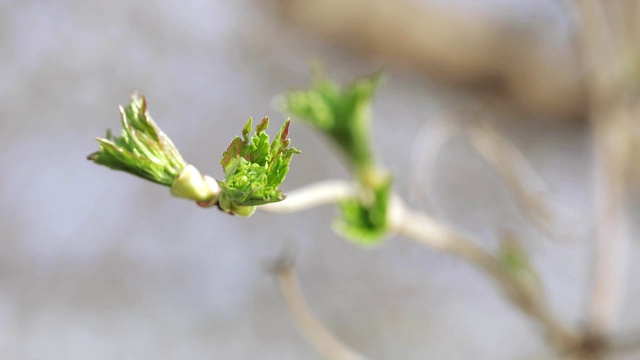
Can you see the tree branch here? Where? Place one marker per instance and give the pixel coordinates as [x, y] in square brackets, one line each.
[520, 177]
[427, 231]
[602, 43]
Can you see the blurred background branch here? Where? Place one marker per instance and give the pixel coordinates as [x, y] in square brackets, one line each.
[325, 342]
[608, 34]
[524, 69]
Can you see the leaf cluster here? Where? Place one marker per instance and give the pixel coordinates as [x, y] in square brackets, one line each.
[364, 218]
[142, 149]
[254, 167]
[342, 113]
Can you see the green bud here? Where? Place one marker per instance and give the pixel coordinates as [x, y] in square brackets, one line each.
[190, 184]
[254, 168]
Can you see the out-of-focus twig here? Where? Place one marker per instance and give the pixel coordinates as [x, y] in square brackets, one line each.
[528, 187]
[315, 332]
[428, 231]
[502, 155]
[446, 42]
[429, 142]
[604, 31]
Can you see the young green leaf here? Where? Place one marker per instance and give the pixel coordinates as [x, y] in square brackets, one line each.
[254, 168]
[145, 151]
[142, 149]
[364, 219]
[343, 114]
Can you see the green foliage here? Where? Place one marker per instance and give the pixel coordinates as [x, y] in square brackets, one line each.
[142, 149]
[254, 167]
[364, 219]
[343, 114]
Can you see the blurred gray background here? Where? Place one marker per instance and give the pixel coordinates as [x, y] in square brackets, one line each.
[96, 264]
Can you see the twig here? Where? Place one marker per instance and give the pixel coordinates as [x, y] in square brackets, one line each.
[611, 120]
[427, 231]
[315, 332]
[612, 239]
[320, 193]
[504, 157]
[432, 137]
[509, 162]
